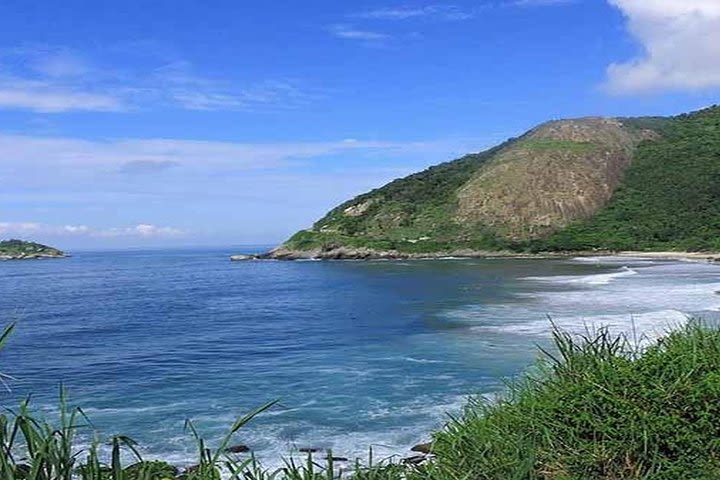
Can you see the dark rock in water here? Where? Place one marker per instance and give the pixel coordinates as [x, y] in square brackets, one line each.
[308, 450]
[22, 470]
[338, 459]
[414, 460]
[238, 449]
[422, 448]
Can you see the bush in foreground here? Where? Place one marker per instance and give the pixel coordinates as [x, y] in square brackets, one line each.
[598, 409]
[593, 408]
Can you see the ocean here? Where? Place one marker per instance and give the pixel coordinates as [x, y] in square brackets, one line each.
[357, 353]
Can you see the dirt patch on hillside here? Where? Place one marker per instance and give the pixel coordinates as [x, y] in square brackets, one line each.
[559, 172]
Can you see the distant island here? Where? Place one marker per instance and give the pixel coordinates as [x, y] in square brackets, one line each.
[23, 250]
[583, 185]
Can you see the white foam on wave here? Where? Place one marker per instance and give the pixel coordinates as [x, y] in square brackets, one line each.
[410, 359]
[596, 279]
[281, 439]
[614, 260]
[594, 260]
[642, 307]
[423, 360]
[640, 328]
[650, 294]
[171, 407]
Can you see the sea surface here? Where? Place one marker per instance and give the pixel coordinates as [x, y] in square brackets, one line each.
[359, 354]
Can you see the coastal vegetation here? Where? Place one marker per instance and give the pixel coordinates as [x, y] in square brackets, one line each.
[20, 249]
[593, 407]
[573, 185]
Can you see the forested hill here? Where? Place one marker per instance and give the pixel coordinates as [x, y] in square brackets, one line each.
[20, 250]
[669, 198]
[587, 184]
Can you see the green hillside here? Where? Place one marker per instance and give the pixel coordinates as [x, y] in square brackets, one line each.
[587, 184]
[668, 200]
[20, 249]
[402, 212]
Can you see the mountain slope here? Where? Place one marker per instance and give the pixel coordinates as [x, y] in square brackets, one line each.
[559, 172]
[669, 198]
[591, 183]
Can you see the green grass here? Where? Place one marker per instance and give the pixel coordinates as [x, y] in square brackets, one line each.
[598, 409]
[592, 408]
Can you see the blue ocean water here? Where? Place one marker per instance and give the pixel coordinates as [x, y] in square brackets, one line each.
[358, 354]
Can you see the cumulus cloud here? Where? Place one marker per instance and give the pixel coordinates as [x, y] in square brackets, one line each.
[681, 42]
[142, 230]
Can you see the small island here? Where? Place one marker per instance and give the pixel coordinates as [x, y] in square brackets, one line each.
[23, 250]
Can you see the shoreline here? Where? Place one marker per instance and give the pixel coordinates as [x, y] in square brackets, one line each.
[709, 257]
[344, 253]
[39, 256]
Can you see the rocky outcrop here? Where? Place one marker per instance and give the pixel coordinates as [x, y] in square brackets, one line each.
[348, 253]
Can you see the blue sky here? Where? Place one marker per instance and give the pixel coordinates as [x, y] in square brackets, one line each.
[224, 122]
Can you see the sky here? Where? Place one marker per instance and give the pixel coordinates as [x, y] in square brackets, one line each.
[180, 123]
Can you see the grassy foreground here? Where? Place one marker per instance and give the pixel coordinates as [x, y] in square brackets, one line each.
[592, 408]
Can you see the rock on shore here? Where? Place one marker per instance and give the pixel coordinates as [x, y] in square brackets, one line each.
[348, 253]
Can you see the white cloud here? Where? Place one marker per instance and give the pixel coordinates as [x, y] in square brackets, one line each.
[142, 230]
[681, 42]
[43, 98]
[18, 228]
[442, 12]
[276, 94]
[75, 229]
[541, 3]
[351, 33]
[54, 80]
[60, 64]
[24, 153]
